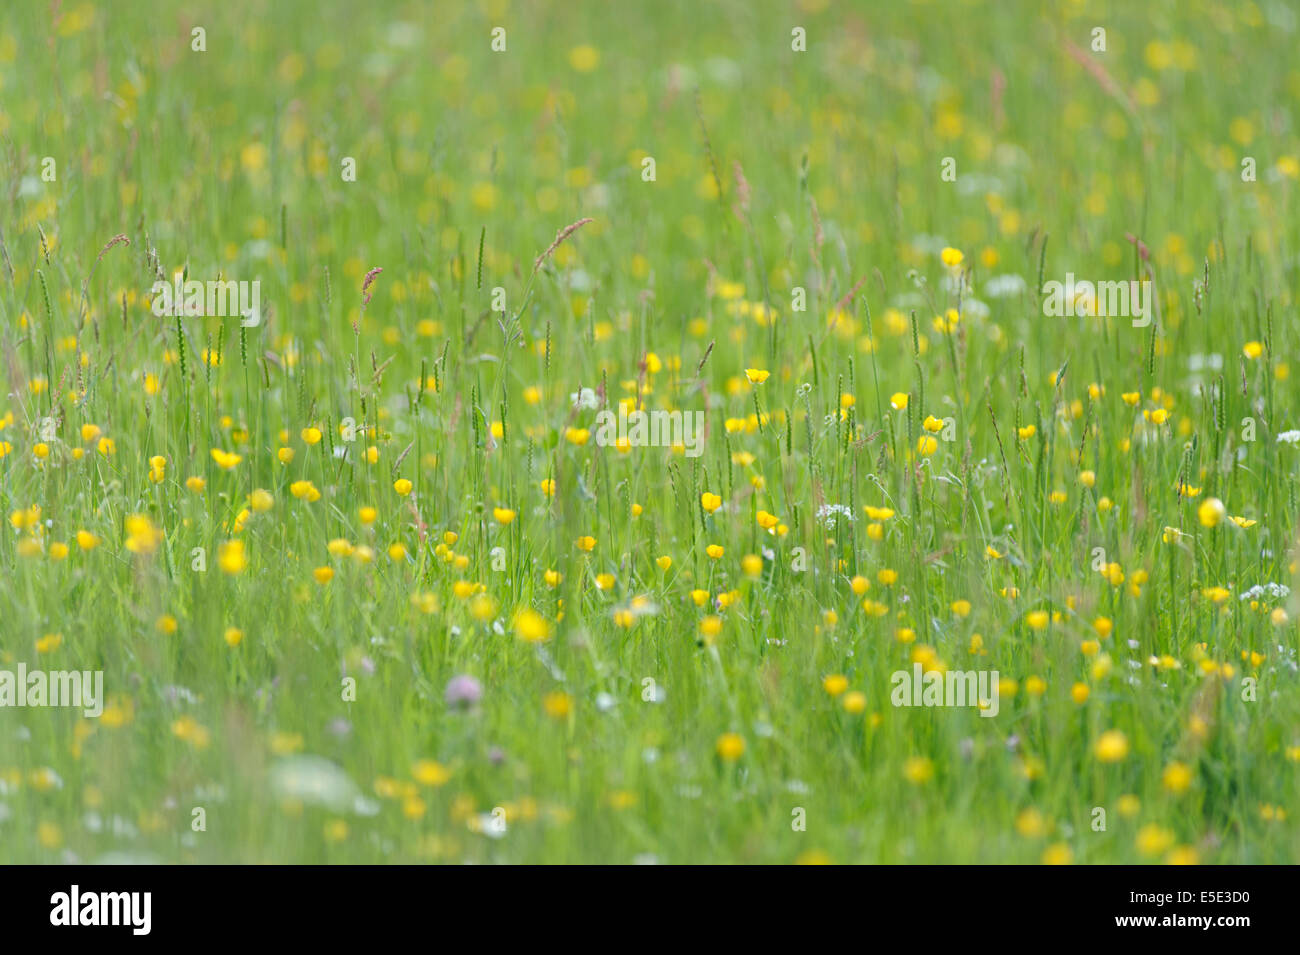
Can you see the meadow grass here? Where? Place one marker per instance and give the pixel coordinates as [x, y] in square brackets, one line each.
[282, 544]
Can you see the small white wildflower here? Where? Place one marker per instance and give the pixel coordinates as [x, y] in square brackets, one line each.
[1005, 286]
[828, 513]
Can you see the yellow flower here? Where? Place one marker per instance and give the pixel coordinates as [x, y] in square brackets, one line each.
[710, 502]
[142, 537]
[664, 562]
[751, 565]
[951, 257]
[961, 608]
[1253, 350]
[310, 435]
[898, 400]
[304, 491]
[403, 486]
[557, 704]
[1152, 839]
[855, 702]
[586, 543]
[1031, 824]
[1111, 746]
[1182, 855]
[424, 602]
[730, 747]
[1210, 512]
[835, 684]
[226, 460]
[576, 436]
[427, 772]
[323, 575]
[926, 445]
[756, 376]
[714, 551]
[1037, 619]
[584, 58]
[532, 627]
[1177, 777]
[231, 557]
[49, 835]
[233, 637]
[918, 770]
[1058, 853]
[336, 830]
[483, 607]
[503, 515]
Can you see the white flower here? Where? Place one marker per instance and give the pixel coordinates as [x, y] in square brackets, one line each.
[490, 824]
[1289, 437]
[584, 399]
[1278, 591]
[827, 513]
[1005, 286]
[313, 780]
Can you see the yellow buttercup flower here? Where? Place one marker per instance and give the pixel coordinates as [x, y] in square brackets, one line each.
[1111, 746]
[1210, 512]
[531, 626]
[730, 747]
[232, 556]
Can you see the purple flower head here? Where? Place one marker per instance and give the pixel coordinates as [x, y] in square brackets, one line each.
[463, 692]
